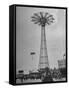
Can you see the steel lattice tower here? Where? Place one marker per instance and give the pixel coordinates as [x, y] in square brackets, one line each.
[43, 20]
[43, 59]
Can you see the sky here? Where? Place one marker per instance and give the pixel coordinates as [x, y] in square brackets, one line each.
[28, 38]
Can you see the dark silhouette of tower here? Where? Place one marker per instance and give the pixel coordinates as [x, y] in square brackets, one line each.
[43, 20]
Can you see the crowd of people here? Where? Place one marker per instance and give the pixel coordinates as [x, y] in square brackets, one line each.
[45, 75]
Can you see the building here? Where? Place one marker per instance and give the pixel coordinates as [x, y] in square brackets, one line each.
[62, 67]
[62, 63]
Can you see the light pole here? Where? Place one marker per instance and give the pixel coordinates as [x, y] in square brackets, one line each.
[21, 72]
[32, 54]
